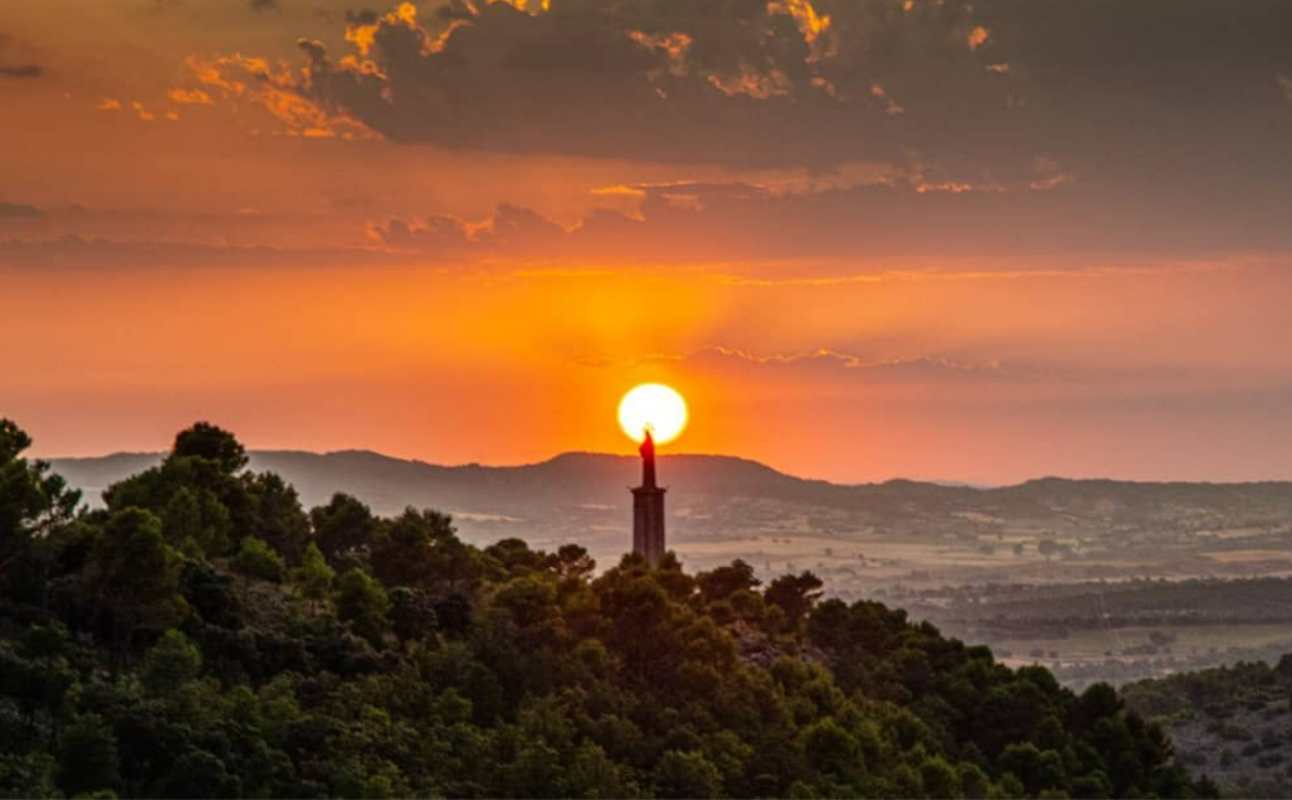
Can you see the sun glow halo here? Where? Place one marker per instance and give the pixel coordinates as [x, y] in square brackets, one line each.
[655, 406]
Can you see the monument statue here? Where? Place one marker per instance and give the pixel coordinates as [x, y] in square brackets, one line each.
[647, 451]
[648, 508]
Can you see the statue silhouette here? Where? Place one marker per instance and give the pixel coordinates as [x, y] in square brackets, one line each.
[647, 451]
[648, 508]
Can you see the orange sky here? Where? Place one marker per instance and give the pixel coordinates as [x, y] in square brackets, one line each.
[853, 266]
[507, 366]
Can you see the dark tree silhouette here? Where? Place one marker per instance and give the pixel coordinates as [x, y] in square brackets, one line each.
[160, 660]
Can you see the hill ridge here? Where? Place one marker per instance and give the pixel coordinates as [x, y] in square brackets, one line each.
[583, 496]
[721, 458]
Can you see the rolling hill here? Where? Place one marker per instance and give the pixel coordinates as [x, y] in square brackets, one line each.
[584, 497]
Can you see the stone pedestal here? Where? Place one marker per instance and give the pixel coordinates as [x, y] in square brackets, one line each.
[648, 523]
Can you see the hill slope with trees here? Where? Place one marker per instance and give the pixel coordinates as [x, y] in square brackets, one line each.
[1234, 722]
[203, 635]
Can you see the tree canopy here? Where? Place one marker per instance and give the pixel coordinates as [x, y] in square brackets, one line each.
[203, 636]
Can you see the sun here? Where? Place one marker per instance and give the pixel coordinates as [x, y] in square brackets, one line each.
[655, 406]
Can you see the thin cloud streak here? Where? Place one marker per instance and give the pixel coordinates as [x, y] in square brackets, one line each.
[938, 275]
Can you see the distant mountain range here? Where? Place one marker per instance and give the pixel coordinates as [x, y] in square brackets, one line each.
[389, 484]
[584, 497]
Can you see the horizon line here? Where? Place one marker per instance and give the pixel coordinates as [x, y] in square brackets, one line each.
[950, 483]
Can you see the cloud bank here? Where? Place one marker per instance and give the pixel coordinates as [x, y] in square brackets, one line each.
[1039, 225]
[975, 88]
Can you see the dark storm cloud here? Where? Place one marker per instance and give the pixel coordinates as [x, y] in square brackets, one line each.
[1160, 90]
[973, 88]
[724, 81]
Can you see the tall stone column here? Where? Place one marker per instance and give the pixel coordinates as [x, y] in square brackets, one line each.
[648, 509]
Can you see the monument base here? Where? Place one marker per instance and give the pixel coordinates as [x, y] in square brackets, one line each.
[648, 523]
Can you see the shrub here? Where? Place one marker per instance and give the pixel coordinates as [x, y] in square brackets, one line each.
[686, 774]
[257, 559]
[171, 662]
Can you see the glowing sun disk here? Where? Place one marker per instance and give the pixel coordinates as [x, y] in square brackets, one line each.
[652, 406]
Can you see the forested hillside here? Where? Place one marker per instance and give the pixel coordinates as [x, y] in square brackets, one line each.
[1233, 722]
[203, 635]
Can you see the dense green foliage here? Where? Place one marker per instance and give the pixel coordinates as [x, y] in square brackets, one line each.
[1216, 693]
[1234, 723]
[203, 636]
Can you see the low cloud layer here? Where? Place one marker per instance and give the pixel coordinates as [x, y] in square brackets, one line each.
[14, 63]
[895, 222]
[20, 211]
[73, 252]
[21, 71]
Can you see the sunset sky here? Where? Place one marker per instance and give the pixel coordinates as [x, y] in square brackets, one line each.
[976, 241]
